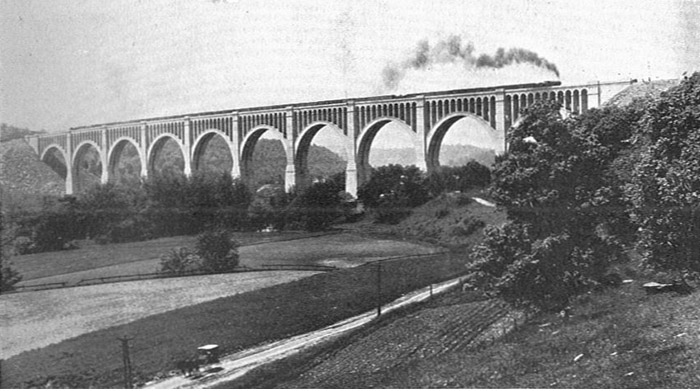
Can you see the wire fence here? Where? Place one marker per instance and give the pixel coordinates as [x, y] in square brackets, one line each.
[159, 275]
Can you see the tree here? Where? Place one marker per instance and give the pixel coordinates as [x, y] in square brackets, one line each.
[665, 186]
[8, 276]
[319, 205]
[461, 178]
[393, 191]
[555, 186]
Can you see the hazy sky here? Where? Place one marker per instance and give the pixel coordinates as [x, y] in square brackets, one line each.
[69, 63]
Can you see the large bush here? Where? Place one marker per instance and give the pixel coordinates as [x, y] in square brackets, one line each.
[217, 250]
[665, 187]
[556, 186]
[180, 261]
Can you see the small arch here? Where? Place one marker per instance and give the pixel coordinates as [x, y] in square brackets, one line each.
[584, 100]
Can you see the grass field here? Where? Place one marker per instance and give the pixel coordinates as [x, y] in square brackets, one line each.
[93, 256]
[235, 323]
[44, 317]
[331, 249]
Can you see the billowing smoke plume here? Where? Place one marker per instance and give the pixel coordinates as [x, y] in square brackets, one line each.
[451, 51]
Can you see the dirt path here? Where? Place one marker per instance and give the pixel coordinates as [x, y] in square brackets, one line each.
[240, 363]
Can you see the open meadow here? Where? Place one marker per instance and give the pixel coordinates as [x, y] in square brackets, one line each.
[264, 249]
[78, 325]
[36, 319]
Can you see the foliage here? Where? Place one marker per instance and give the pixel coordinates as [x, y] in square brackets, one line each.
[665, 186]
[59, 223]
[556, 185]
[393, 190]
[217, 250]
[320, 204]
[8, 276]
[461, 178]
[179, 261]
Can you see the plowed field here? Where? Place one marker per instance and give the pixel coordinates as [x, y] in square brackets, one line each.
[378, 354]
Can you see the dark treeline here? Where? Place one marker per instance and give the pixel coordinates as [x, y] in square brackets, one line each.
[171, 205]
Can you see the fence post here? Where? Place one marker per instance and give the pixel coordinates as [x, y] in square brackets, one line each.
[379, 289]
[127, 362]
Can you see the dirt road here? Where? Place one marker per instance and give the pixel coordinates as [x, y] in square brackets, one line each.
[240, 363]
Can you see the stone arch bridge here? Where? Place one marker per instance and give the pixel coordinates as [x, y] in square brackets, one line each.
[428, 117]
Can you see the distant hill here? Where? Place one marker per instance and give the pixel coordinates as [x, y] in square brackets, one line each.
[269, 162]
[8, 132]
[24, 179]
[450, 155]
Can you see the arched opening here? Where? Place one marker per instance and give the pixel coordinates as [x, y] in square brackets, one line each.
[212, 155]
[264, 159]
[55, 159]
[125, 164]
[87, 167]
[166, 158]
[386, 141]
[463, 137]
[321, 153]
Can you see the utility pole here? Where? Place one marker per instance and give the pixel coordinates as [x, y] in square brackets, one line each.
[379, 289]
[127, 361]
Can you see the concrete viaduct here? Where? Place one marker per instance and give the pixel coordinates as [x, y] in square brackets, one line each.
[428, 117]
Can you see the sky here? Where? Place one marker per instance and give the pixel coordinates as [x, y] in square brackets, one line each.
[67, 63]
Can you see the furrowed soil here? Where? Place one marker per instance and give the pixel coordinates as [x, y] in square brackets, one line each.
[384, 352]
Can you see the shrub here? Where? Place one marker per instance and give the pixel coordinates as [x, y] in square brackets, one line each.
[8, 276]
[218, 251]
[180, 261]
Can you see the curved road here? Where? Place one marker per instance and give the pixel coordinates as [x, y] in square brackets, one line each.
[238, 364]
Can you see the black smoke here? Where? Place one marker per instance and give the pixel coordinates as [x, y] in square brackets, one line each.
[453, 50]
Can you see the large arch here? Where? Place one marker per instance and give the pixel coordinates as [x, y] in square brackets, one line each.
[202, 142]
[115, 153]
[155, 148]
[248, 147]
[303, 144]
[438, 132]
[48, 157]
[79, 152]
[366, 138]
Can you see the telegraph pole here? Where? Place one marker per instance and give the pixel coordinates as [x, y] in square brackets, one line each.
[127, 361]
[379, 289]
